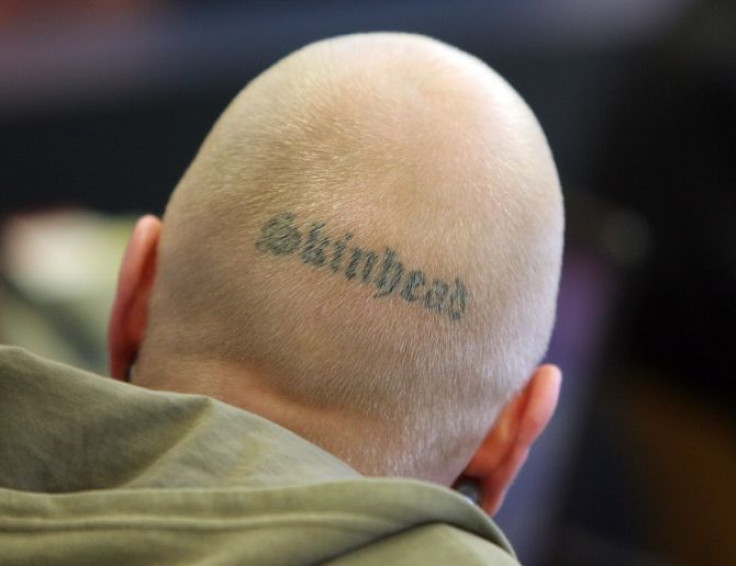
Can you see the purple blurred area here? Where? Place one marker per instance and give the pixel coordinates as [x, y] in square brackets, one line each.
[104, 103]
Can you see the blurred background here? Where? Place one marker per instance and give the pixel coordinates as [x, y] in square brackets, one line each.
[104, 102]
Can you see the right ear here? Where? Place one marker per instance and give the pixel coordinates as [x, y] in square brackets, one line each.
[129, 317]
[504, 450]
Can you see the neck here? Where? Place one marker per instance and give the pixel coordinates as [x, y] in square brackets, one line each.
[366, 444]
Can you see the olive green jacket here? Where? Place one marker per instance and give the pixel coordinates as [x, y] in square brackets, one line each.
[97, 472]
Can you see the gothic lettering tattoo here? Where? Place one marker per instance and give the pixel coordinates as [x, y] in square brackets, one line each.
[281, 236]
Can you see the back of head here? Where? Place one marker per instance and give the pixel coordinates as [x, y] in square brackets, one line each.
[371, 233]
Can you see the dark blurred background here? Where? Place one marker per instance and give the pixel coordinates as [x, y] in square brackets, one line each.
[104, 102]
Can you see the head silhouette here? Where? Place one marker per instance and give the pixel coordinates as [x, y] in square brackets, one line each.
[365, 250]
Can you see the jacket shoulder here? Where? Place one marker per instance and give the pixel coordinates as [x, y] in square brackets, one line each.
[428, 545]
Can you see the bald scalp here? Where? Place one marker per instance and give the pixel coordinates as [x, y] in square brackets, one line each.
[373, 227]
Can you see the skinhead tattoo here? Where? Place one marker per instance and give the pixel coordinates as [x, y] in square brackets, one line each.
[282, 236]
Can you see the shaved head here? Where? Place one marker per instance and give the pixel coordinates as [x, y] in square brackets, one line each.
[368, 246]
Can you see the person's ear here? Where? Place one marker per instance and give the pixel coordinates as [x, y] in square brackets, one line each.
[129, 315]
[503, 452]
